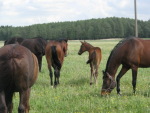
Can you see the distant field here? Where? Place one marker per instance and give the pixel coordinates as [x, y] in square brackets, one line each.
[75, 95]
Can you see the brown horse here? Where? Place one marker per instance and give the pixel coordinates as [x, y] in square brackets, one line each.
[18, 72]
[55, 52]
[37, 46]
[95, 57]
[132, 53]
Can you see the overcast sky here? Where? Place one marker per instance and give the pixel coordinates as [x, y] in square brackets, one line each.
[28, 12]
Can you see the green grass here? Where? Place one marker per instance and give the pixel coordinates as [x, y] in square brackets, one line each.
[75, 95]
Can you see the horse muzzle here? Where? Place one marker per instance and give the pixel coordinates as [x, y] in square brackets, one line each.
[79, 53]
[105, 92]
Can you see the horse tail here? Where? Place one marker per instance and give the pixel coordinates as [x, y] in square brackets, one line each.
[55, 57]
[93, 55]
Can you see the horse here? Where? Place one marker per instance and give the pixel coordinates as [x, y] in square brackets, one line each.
[18, 73]
[13, 40]
[95, 56]
[132, 53]
[55, 52]
[37, 46]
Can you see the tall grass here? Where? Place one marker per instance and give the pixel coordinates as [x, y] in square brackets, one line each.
[75, 95]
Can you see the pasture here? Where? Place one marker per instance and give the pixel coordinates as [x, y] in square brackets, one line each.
[75, 95]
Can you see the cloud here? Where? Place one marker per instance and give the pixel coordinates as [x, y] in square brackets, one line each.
[27, 12]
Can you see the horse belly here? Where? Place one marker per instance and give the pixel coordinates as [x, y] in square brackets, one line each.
[145, 55]
[145, 62]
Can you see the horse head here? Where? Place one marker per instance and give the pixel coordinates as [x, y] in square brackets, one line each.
[108, 83]
[82, 48]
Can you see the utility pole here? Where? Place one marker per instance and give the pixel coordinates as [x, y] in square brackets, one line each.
[136, 26]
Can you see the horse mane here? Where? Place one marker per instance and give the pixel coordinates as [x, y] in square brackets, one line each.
[62, 39]
[88, 44]
[120, 43]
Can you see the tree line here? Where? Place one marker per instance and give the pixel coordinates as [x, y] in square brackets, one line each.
[112, 27]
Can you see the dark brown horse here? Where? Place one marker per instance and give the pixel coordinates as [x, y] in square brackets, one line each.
[14, 40]
[55, 52]
[132, 53]
[18, 72]
[37, 46]
[95, 57]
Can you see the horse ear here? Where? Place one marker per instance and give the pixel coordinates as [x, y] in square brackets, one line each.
[110, 77]
[66, 40]
[81, 42]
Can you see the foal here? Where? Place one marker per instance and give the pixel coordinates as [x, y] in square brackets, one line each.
[95, 57]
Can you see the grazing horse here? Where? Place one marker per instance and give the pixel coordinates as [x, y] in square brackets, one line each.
[55, 52]
[18, 72]
[37, 46]
[14, 40]
[94, 60]
[132, 53]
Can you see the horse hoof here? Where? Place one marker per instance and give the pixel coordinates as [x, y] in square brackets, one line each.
[55, 86]
[119, 94]
[134, 93]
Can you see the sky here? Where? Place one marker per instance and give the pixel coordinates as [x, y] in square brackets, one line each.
[29, 12]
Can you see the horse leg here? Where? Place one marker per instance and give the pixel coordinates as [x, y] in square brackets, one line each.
[24, 101]
[9, 103]
[92, 74]
[56, 73]
[96, 75]
[51, 76]
[3, 107]
[121, 73]
[134, 78]
[40, 62]
[50, 73]
[58, 76]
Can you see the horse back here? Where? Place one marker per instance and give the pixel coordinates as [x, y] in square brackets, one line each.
[135, 52]
[35, 45]
[18, 67]
[145, 54]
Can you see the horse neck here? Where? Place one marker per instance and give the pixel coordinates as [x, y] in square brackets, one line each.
[112, 67]
[88, 47]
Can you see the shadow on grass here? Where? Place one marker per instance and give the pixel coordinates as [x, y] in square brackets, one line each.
[78, 82]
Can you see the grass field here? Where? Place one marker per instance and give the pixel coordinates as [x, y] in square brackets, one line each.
[75, 95]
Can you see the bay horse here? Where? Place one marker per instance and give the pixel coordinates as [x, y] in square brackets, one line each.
[18, 73]
[37, 46]
[55, 52]
[95, 56]
[132, 53]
